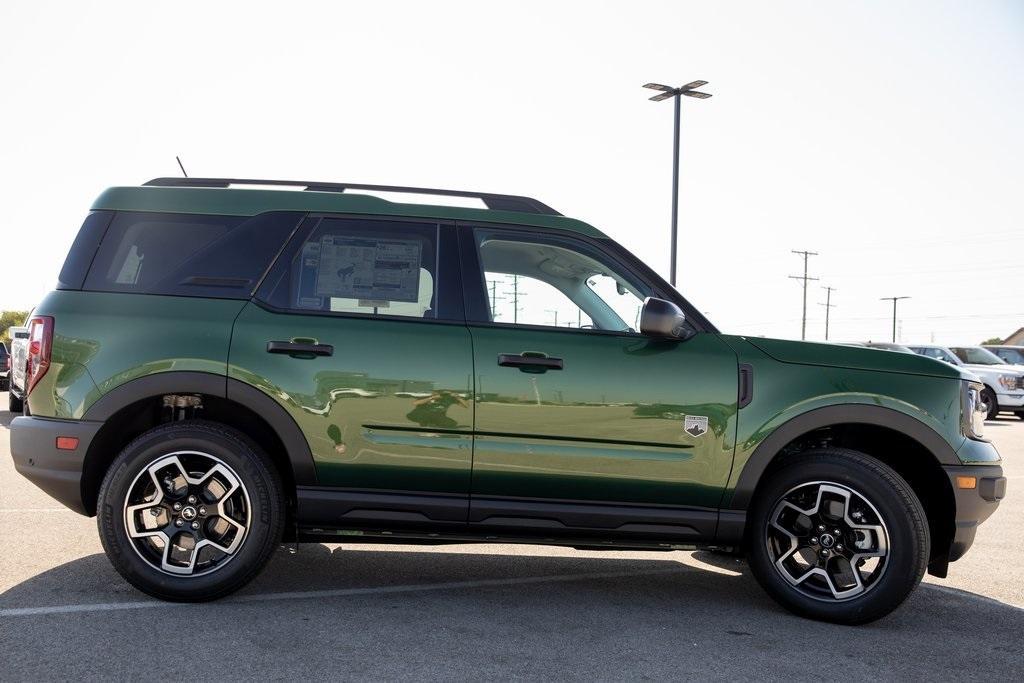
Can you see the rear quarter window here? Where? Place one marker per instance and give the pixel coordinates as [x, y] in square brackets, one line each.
[188, 255]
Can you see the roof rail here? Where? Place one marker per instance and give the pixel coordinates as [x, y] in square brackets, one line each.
[497, 202]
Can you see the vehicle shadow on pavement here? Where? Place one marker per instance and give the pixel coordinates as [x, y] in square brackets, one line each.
[469, 612]
[6, 416]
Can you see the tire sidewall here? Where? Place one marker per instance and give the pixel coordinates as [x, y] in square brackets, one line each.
[264, 500]
[909, 541]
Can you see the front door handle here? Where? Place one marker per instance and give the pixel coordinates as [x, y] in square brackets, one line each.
[530, 362]
[300, 348]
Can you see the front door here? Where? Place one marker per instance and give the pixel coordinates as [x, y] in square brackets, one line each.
[359, 333]
[581, 422]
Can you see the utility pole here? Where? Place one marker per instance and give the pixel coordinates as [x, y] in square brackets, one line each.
[667, 92]
[893, 299]
[828, 306]
[495, 298]
[806, 255]
[555, 311]
[515, 294]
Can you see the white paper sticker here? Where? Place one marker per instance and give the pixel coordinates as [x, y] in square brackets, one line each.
[367, 268]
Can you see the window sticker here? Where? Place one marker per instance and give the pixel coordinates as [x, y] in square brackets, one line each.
[367, 268]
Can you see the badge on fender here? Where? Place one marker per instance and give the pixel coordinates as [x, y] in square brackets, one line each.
[695, 425]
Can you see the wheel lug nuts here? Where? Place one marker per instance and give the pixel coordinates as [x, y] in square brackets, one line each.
[814, 541]
[821, 527]
[839, 547]
[837, 532]
[192, 500]
[824, 553]
[195, 525]
[202, 510]
[178, 522]
[177, 506]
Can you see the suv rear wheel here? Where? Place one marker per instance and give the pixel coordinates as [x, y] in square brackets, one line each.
[14, 404]
[838, 536]
[190, 511]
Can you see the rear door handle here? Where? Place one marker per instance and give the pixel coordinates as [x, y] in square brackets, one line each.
[530, 362]
[299, 348]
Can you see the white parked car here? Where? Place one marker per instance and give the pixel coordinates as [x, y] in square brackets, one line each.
[16, 380]
[1004, 383]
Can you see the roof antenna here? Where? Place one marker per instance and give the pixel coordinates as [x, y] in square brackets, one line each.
[178, 159]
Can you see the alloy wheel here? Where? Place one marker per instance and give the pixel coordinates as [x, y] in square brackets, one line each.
[827, 541]
[187, 513]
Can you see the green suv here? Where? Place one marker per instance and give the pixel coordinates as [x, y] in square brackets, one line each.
[221, 368]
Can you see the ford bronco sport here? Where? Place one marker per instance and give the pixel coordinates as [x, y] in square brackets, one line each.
[221, 368]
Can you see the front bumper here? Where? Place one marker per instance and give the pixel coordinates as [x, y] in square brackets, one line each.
[973, 505]
[36, 457]
[1013, 399]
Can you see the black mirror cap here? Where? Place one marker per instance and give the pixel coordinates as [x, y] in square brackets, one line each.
[664, 319]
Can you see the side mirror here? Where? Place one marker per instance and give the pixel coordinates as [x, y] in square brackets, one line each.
[660, 318]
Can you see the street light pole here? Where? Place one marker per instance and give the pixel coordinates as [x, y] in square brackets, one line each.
[893, 299]
[675, 93]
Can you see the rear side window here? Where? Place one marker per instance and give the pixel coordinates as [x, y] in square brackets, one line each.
[188, 255]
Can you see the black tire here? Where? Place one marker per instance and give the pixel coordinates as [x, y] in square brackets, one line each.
[1020, 414]
[14, 404]
[988, 397]
[890, 501]
[259, 496]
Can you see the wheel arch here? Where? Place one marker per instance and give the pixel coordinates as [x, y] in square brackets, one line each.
[910, 447]
[134, 407]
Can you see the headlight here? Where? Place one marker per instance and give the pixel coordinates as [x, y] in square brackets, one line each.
[1009, 382]
[972, 412]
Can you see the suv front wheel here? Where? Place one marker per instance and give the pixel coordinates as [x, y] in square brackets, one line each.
[838, 536]
[190, 511]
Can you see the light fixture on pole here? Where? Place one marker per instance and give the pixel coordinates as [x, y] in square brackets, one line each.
[667, 92]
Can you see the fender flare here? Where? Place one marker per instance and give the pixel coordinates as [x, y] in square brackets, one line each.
[187, 382]
[833, 415]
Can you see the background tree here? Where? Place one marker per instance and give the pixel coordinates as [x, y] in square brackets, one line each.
[8, 319]
[993, 340]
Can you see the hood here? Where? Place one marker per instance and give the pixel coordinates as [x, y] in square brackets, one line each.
[855, 357]
[1002, 369]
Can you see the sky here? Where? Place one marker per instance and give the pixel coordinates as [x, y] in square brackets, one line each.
[885, 136]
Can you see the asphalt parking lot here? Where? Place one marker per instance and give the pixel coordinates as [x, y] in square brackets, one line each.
[372, 612]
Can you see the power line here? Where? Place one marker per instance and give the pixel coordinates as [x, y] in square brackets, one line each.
[806, 255]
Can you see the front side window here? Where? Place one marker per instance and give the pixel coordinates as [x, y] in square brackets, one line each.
[363, 267]
[547, 281]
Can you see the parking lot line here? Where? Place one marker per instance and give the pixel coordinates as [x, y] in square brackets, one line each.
[337, 593]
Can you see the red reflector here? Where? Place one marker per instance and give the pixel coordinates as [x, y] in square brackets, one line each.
[67, 443]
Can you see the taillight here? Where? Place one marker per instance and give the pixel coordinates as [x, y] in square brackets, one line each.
[40, 342]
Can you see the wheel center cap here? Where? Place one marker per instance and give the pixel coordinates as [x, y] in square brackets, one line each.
[188, 513]
[826, 540]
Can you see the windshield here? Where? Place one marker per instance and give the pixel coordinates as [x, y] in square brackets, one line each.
[1011, 355]
[977, 355]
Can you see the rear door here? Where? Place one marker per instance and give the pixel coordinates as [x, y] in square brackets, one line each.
[358, 332]
[582, 422]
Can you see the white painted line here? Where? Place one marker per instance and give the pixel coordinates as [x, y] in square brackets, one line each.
[35, 510]
[337, 593]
